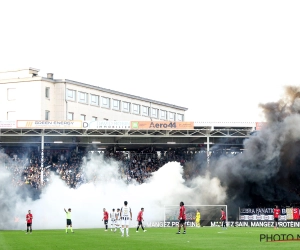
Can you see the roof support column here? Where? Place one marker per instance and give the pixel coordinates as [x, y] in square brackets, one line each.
[42, 157]
[207, 151]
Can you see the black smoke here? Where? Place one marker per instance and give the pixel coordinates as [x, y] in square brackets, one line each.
[268, 171]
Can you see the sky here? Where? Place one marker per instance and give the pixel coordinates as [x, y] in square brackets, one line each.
[219, 59]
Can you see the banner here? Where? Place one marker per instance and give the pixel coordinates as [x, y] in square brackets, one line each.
[261, 217]
[110, 125]
[163, 125]
[226, 124]
[256, 224]
[292, 213]
[8, 124]
[40, 124]
[261, 214]
[218, 223]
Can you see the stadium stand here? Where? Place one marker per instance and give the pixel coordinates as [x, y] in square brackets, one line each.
[68, 164]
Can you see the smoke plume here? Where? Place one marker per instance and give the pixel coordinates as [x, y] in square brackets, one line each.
[104, 190]
[267, 173]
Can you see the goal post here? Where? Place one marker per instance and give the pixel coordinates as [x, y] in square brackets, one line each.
[208, 214]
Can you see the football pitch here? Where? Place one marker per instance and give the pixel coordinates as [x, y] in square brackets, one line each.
[154, 238]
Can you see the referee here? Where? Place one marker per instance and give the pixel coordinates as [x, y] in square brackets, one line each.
[69, 221]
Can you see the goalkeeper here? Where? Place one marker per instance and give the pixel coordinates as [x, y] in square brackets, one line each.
[197, 218]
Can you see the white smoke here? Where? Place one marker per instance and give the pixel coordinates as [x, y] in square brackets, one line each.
[106, 190]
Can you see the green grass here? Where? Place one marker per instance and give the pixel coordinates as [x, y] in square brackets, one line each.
[154, 238]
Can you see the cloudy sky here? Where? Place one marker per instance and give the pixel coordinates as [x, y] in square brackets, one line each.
[220, 59]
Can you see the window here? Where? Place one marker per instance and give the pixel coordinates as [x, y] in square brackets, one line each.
[94, 118]
[105, 102]
[71, 95]
[95, 100]
[179, 117]
[82, 97]
[171, 116]
[47, 92]
[136, 109]
[11, 94]
[126, 107]
[116, 104]
[145, 111]
[82, 117]
[154, 113]
[47, 115]
[163, 114]
[70, 116]
[11, 115]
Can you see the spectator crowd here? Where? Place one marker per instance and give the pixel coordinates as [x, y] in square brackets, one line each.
[26, 166]
[29, 168]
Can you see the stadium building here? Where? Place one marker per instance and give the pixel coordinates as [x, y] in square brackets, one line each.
[42, 111]
[26, 95]
[46, 123]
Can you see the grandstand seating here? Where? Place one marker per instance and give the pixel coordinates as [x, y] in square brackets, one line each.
[25, 164]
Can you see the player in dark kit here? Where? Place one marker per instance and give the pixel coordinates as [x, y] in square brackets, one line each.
[140, 220]
[223, 218]
[181, 218]
[29, 218]
[105, 218]
[276, 213]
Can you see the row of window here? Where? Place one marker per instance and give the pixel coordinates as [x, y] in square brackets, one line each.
[70, 116]
[82, 117]
[118, 105]
[11, 115]
[108, 103]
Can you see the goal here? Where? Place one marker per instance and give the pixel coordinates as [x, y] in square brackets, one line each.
[209, 213]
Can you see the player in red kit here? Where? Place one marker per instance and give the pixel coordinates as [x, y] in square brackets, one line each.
[105, 218]
[29, 218]
[140, 220]
[181, 218]
[223, 218]
[276, 213]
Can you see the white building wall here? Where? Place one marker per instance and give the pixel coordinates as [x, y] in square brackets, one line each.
[58, 102]
[110, 113]
[29, 102]
[5, 104]
[29, 105]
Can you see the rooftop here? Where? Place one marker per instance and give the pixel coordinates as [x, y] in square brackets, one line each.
[33, 73]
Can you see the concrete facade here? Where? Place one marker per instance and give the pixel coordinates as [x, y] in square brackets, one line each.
[24, 95]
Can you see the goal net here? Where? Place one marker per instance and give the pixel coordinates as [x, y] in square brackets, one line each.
[208, 214]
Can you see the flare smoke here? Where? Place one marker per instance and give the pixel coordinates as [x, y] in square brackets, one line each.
[267, 173]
